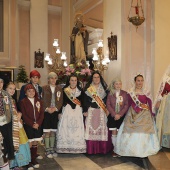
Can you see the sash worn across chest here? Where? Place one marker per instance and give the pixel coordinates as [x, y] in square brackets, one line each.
[138, 102]
[92, 91]
[73, 99]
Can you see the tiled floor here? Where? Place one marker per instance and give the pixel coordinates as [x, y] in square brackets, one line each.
[161, 161]
[91, 162]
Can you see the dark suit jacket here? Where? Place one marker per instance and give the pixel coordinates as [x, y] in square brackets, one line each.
[111, 103]
[22, 92]
[47, 95]
[27, 111]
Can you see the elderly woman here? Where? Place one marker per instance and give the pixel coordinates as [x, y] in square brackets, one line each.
[117, 105]
[94, 108]
[137, 135]
[52, 97]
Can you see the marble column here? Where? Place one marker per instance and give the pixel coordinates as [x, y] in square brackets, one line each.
[134, 48]
[39, 33]
[112, 23]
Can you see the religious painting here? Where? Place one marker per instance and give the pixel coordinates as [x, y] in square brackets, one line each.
[39, 59]
[112, 44]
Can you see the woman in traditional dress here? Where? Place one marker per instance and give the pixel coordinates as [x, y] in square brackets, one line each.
[22, 157]
[162, 107]
[94, 109]
[137, 135]
[70, 135]
[117, 105]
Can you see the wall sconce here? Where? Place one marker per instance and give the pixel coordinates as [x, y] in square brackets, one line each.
[136, 20]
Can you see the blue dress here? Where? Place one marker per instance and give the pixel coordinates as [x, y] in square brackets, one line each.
[23, 156]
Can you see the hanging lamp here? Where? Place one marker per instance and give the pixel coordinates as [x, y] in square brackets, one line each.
[136, 20]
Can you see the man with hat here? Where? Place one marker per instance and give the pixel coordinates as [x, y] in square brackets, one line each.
[34, 79]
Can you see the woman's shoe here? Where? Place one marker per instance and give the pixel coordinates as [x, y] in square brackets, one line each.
[29, 167]
[49, 155]
[39, 157]
[114, 154]
[55, 155]
[35, 164]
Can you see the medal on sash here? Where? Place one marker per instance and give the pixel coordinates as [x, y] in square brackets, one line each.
[58, 95]
[137, 101]
[120, 100]
[38, 105]
[6, 102]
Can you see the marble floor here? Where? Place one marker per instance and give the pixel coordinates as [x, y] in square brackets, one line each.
[91, 162]
[161, 161]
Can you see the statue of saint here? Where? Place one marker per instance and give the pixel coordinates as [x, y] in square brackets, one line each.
[79, 40]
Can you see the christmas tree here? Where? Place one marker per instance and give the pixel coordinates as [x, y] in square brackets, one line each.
[22, 75]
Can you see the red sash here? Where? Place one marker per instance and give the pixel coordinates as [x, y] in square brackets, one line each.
[73, 99]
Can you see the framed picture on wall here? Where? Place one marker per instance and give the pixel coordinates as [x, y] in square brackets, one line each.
[7, 74]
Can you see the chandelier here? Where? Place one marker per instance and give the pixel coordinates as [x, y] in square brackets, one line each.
[100, 62]
[58, 62]
[136, 20]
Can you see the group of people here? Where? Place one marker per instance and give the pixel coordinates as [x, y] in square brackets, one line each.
[95, 119]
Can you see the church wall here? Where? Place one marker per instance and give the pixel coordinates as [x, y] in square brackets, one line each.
[162, 37]
[137, 46]
[13, 35]
[24, 37]
[112, 23]
[54, 31]
[145, 51]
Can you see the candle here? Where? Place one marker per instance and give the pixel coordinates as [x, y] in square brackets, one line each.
[47, 57]
[55, 43]
[137, 10]
[63, 56]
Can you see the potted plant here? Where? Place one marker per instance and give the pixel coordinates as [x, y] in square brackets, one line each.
[22, 77]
